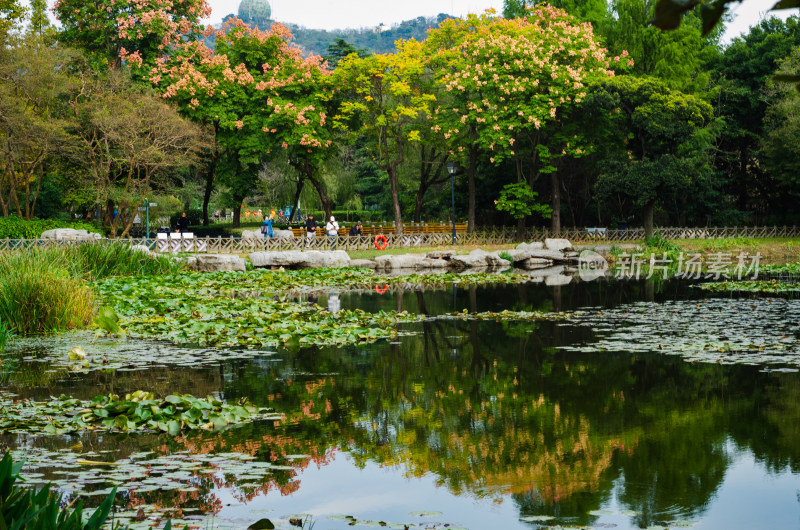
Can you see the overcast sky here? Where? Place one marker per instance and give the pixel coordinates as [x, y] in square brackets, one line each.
[330, 14]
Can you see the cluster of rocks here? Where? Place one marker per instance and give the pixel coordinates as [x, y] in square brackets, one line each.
[527, 256]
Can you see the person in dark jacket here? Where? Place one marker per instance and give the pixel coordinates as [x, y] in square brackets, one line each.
[355, 230]
[183, 223]
[311, 229]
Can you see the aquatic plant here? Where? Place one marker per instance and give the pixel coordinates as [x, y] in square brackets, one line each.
[137, 411]
[42, 510]
[39, 296]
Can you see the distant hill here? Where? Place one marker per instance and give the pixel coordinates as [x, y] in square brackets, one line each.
[380, 39]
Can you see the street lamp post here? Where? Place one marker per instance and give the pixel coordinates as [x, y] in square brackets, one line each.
[451, 168]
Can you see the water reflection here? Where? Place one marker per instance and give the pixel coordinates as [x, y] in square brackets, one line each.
[495, 413]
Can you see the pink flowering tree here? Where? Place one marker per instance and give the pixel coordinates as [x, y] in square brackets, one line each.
[132, 31]
[509, 87]
[260, 96]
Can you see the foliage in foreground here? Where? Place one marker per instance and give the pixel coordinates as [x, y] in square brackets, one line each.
[38, 295]
[137, 411]
[44, 290]
[25, 508]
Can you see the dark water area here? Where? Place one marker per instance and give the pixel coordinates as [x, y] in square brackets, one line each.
[473, 424]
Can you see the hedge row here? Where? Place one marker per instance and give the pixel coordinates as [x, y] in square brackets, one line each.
[17, 228]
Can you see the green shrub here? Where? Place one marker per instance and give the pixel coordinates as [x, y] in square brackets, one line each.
[14, 227]
[506, 256]
[42, 510]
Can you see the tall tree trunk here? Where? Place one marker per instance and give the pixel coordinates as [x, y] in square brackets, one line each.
[296, 203]
[647, 219]
[556, 202]
[521, 229]
[418, 203]
[471, 170]
[323, 197]
[398, 216]
[237, 210]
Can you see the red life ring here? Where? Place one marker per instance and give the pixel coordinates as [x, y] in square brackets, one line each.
[381, 290]
[380, 237]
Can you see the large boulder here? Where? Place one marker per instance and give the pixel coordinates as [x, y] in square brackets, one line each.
[297, 259]
[219, 262]
[69, 234]
[477, 259]
[432, 263]
[554, 255]
[283, 234]
[557, 244]
[389, 262]
[363, 263]
[252, 234]
[536, 245]
[440, 254]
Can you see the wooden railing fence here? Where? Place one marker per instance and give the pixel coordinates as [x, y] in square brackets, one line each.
[418, 239]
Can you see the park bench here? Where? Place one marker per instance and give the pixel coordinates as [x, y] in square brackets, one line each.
[597, 233]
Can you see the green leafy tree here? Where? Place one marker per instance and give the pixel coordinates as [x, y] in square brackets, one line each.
[680, 58]
[339, 49]
[659, 144]
[779, 148]
[383, 101]
[743, 71]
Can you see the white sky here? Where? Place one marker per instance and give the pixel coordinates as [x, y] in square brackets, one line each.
[330, 14]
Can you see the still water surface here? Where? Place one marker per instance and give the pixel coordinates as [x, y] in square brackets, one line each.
[479, 425]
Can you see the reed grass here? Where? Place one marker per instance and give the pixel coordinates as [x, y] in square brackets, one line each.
[45, 290]
[37, 295]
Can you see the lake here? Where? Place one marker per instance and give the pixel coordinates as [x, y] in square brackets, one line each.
[649, 405]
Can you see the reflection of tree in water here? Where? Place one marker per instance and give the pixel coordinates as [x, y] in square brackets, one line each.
[511, 415]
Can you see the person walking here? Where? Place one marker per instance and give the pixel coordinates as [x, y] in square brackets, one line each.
[266, 226]
[332, 228]
[311, 229]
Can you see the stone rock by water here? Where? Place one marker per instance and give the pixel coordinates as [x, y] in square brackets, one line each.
[297, 259]
[557, 244]
[252, 234]
[219, 262]
[477, 259]
[363, 263]
[432, 263]
[441, 254]
[536, 245]
[389, 262]
[69, 234]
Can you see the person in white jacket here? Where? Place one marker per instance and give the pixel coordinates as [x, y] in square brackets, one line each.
[332, 229]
